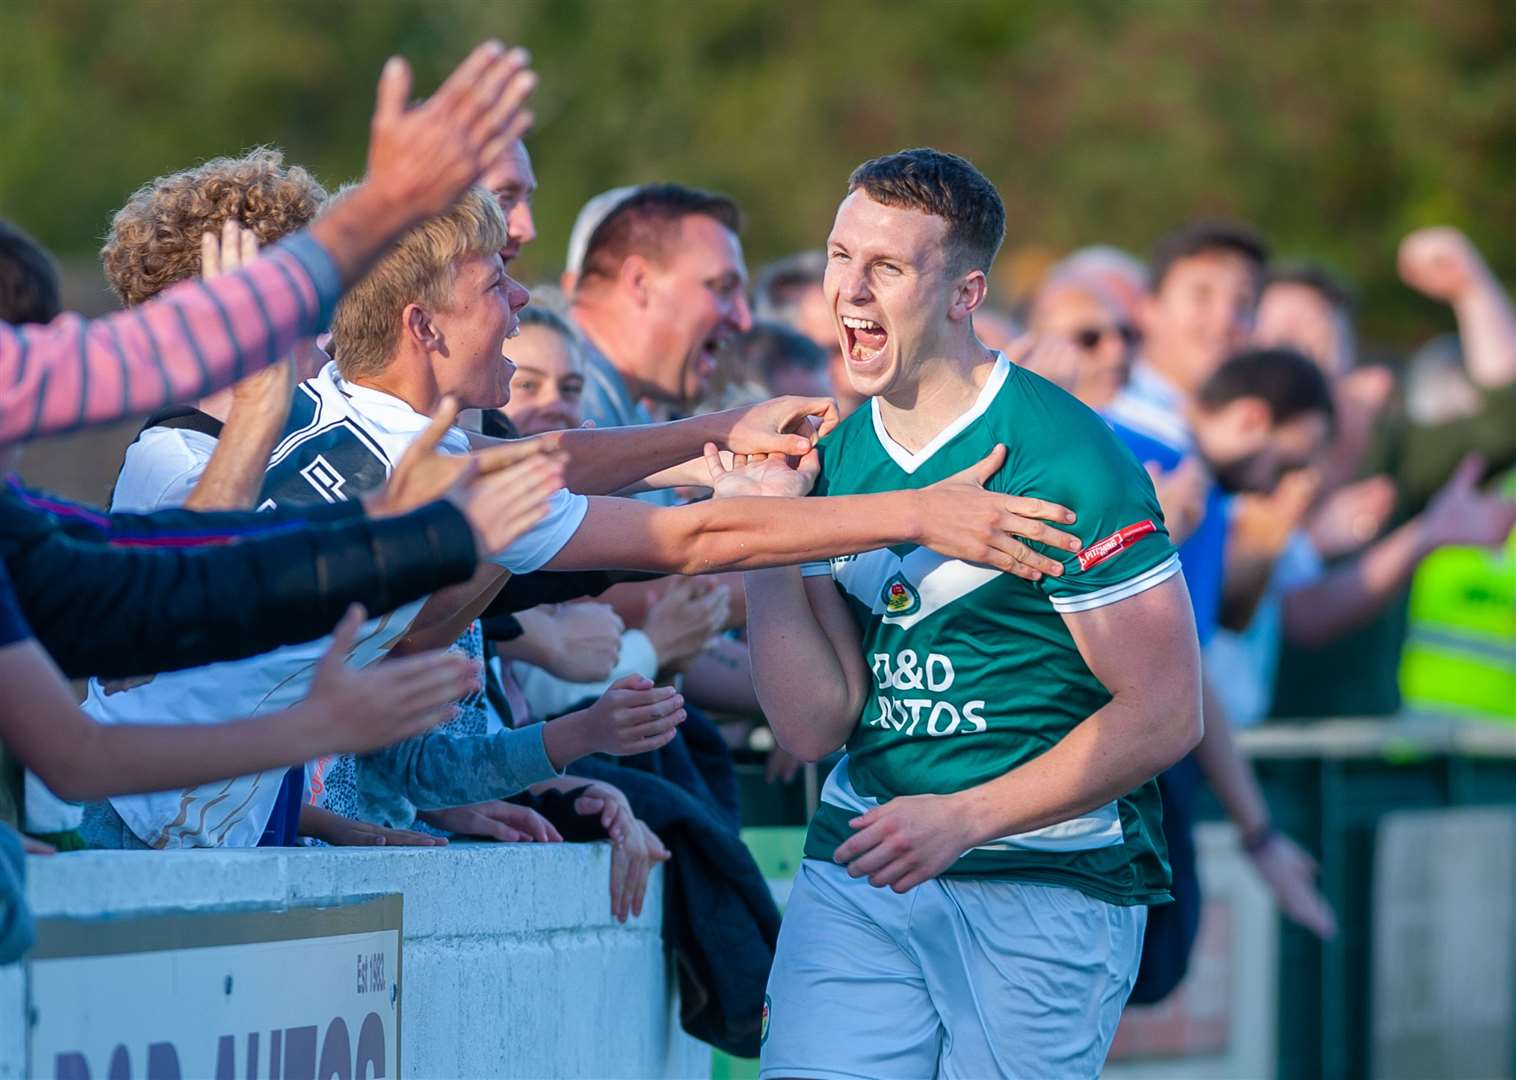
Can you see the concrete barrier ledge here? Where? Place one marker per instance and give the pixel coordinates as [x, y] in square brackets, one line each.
[513, 964]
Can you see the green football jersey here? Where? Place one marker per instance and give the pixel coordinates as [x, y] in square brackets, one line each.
[974, 670]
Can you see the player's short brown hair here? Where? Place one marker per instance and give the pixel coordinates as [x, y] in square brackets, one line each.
[154, 240]
[946, 186]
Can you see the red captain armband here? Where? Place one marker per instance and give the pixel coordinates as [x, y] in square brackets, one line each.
[1120, 540]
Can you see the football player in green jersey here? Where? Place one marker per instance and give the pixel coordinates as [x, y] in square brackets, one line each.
[976, 877]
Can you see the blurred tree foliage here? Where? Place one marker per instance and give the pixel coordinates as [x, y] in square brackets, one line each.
[1334, 126]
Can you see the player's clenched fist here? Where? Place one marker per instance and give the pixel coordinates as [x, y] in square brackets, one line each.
[633, 717]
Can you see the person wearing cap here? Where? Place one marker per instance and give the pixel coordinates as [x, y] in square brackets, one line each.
[659, 288]
[590, 216]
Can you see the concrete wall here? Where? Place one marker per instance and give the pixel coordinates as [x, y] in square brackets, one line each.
[1445, 944]
[513, 965]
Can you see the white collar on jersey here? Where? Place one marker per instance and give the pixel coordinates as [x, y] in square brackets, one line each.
[389, 413]
[909, 461]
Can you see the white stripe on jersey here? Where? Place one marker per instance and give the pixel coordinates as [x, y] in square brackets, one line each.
[1100, 828]
[1066, 605]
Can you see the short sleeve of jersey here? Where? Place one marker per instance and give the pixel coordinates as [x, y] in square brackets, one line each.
[1126, 545]
[161, 469]
[537, 546]
[13, 626]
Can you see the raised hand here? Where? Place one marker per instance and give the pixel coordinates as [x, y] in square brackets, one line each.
[1351, 516]
[588, 642]
[357, 710]
[423, 156]
[1054, 358]
[684, 618]
[962, 520]
[634, 717]
[495, 820]
[1460, 514]
[501, 506]
[503, 491]
[1261, 525]
[773, 475]
[232, 249]
[423, 475]
[1440, 262]
[1181, 493]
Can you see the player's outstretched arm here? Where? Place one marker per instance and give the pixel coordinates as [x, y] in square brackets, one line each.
[1144, 650]
[347, 711]
[956, 517]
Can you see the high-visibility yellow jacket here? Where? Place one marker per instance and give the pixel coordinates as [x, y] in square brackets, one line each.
[1460, 651]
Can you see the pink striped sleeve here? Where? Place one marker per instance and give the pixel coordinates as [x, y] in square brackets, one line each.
[195, 338]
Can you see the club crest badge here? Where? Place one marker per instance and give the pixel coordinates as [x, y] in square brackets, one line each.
[900, 597]
[763, 1035]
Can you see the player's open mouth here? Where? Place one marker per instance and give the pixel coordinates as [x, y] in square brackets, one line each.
[865, 338]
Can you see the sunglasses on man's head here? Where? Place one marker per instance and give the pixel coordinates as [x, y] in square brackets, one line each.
[1089, 337]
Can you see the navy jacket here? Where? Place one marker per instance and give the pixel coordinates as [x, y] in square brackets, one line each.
[114, 595]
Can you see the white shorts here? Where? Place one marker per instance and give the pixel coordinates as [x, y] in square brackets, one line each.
[959, 977]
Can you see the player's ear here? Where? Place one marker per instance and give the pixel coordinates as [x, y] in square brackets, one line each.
[419, 327]
[972, 290]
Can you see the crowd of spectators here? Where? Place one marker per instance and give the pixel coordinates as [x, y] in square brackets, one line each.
[363, 444]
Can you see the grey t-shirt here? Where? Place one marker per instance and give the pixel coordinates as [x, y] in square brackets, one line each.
[609, 403]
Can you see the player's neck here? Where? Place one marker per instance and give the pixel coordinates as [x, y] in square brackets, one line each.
[916, 413]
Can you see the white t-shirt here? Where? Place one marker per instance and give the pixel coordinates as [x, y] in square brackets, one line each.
[341, 440]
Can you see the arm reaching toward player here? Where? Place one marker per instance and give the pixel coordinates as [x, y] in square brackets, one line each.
[1350, 595]
[347, 711]
[1144, 650]
[622, 460]
[956, 517]
[1287, 870]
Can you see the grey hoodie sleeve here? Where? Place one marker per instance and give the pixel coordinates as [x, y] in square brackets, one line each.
[438, 770]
